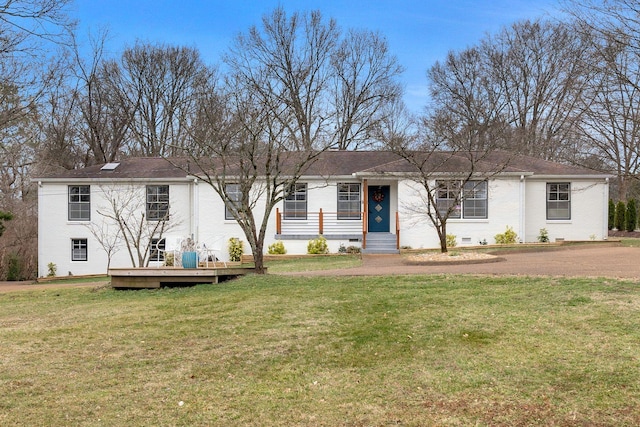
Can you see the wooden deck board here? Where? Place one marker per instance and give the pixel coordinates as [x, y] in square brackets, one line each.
[152, 278]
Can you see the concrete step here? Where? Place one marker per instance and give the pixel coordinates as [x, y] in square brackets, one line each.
[381, 243]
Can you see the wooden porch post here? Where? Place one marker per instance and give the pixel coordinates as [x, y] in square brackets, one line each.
[278, 221]
[397, 230]
[321, 222]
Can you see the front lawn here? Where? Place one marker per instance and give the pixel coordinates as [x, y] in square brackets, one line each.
[282, 351]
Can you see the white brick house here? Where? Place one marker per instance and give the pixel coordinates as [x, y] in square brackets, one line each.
[351, 198]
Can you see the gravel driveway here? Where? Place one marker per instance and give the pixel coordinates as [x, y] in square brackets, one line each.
[603, 260]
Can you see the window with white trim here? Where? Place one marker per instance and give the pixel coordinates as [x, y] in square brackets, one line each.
[78, 249]
[471, 204]
[448, 198]
[474, 200]
[157, 202]
[295, 202]
[558, 200]
[79, 203]
[157, 250]
[234, 195]
[349, 201]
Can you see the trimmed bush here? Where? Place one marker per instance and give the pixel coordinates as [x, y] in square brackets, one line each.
[612, 214]
[318, 246]
[506, 238]
[631, 216]
[236, 249]
[277, 248]
[620, 213]
[543, 237]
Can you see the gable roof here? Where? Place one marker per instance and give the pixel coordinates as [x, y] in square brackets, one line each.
[339, 163]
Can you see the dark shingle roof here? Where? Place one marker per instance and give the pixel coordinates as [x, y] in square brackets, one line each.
[339, 163]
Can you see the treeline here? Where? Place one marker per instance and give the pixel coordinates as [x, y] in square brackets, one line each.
[565, 91]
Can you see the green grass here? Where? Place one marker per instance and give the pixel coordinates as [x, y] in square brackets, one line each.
[282, 351]
[328, 262]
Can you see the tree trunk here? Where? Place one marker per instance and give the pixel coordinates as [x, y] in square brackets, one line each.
[258, 259]
[442, 234]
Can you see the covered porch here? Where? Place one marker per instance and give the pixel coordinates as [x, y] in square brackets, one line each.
[376, 226]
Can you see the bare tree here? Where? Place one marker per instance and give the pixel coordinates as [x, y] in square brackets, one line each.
[109, 239]
[524, 87]
[449, 162]
[611, 122]
[157, 88]
[293, 90]
[127, 213]
[364, 86]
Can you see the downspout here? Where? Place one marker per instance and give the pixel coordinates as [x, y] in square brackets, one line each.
[605, 204]
[195, 223]
[40, 232]
[365, 214]
[523, 217]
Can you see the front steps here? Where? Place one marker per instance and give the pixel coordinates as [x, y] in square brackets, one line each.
[381, 243]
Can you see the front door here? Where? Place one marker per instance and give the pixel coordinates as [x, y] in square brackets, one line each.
[378, 209]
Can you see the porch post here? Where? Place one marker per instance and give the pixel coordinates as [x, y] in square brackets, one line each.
[278, 221]
[320, 222]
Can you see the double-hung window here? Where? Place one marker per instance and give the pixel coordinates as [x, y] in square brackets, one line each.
[558, 200]
[78, 249]
[79, 203]
[467, 201]
[157, 202]
[295, 202]
[474, 200]
[448, 198]
[234, 195]
[348, 201]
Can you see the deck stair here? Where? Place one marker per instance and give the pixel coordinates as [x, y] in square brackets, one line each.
[381, 243]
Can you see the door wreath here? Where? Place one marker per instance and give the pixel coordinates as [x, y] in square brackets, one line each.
[378, 196]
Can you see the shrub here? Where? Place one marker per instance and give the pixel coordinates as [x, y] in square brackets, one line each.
[353, 249]
[317, 246]
[236, 249]
[277, 248]
[620, 212]
[631, 216]
[451, 241]
[52, 269]
[543, 237]
[612, 214]
[506, 238]
[14, 269]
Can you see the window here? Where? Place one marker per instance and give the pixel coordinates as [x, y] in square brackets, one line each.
[79, 203]
[78, 249]
[474, 200]
[448, 197]
[471, 205]
[558, 200]
[348, 201]
[295, 202]
[157, 250]
[157, 202]
[234, 195]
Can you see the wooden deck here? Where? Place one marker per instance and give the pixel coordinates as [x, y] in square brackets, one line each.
[152, 278]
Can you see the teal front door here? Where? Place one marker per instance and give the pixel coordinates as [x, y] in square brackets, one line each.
[378, 217]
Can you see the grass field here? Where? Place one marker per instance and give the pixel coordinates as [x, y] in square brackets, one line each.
[283, 351]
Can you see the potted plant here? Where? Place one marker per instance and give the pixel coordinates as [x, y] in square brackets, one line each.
[189, 254]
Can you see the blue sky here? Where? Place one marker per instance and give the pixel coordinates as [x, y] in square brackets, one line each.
[420, 32]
